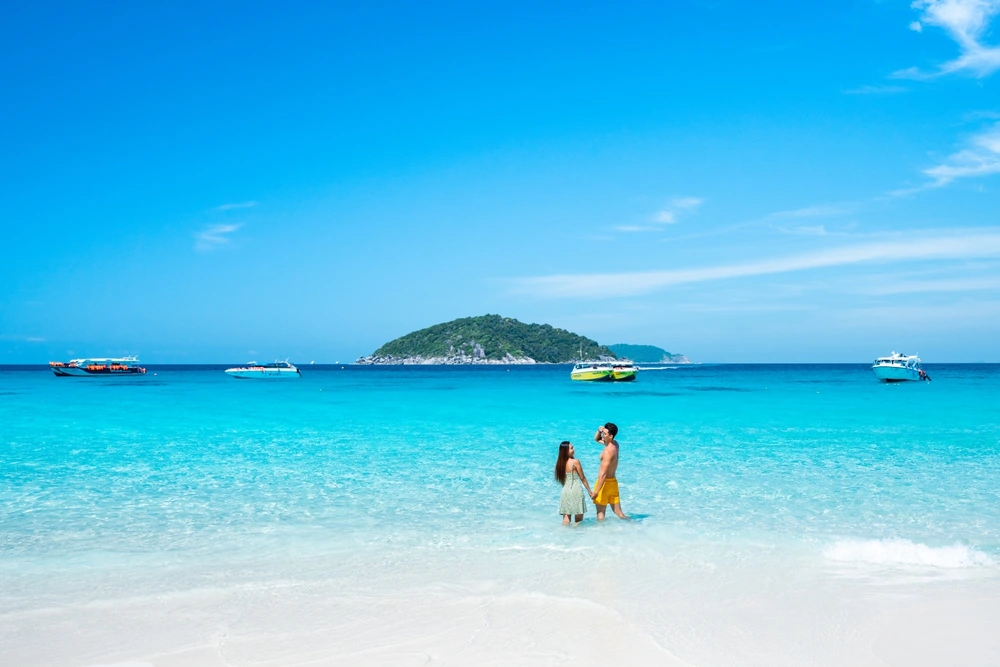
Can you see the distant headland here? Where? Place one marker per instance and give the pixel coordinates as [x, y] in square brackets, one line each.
[493, 339]
[647, 354]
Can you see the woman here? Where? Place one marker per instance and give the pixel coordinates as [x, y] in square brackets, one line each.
[569, 472]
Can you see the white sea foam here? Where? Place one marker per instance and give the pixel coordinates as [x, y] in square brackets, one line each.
[905, 552]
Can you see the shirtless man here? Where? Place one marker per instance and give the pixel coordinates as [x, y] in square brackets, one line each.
[606, 487]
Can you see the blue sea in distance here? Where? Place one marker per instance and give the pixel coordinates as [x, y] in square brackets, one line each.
[185, 476]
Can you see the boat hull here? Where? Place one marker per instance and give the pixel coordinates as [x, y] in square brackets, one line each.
[887, 373]
[625, 376]
[76, 371]
[262, 373]
[593, 375]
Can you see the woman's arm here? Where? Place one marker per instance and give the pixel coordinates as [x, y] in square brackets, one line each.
[583, 478]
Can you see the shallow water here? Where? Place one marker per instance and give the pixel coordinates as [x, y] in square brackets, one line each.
[385, 480]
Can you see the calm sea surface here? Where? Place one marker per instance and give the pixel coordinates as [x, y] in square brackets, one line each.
[186, 478]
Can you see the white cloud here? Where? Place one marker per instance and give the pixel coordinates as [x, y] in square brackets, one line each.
[230, 207]
[213, 237]
[818, 211]
[981, 115]
[902, 192]
[924, 286]
[875, 90]
[975, 243]
[981, 158]
[677, 207]
[965, 21]
[636, 228]
[687, 203]
[807, 230]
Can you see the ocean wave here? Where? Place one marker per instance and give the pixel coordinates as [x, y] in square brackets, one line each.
[905, 552]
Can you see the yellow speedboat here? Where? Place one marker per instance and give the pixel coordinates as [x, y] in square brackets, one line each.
[595, 371]
[624, 372]
[604, 371]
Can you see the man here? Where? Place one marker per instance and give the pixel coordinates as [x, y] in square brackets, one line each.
[606, 487]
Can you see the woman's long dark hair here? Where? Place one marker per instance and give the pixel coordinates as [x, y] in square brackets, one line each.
[561, 462]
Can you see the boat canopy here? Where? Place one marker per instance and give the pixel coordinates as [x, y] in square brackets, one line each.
[898, 359]
[106, 360]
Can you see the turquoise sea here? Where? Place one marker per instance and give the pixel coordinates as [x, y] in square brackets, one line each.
[120, 495]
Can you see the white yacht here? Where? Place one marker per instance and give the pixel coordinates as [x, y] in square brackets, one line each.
[898, 367]
[253, 370]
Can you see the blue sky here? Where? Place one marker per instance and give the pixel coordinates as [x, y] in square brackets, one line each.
[734, 181]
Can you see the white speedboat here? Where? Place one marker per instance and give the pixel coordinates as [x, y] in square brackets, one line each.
[255, 371]
[898, 368]
[97, 367]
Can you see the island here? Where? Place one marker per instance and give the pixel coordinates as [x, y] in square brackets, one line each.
[488, 339]
[647, 354]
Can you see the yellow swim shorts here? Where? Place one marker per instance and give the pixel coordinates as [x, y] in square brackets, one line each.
[608, 494]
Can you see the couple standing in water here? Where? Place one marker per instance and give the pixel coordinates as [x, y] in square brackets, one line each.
[569, 472]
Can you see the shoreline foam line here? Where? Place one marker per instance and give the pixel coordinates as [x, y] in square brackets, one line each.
[906, 552]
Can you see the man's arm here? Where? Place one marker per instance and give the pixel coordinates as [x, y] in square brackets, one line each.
[605, 460]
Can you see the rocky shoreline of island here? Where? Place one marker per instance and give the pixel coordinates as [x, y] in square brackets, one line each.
[467, 360]
[455, 360]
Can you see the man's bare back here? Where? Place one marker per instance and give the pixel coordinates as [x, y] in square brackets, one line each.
[605, 490]
[610, 454]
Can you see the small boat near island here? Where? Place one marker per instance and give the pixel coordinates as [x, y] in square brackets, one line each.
[604, 371]
[255, 371]
[899, 367]
[98, 367]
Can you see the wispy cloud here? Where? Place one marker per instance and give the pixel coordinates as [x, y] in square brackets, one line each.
[230, 207]
[981, 114]
[744, 307]
[943, 285]
[679, 206]
[638, 228]
[213, 237]
[806, 230]
[687, 203]
[875, 90]
[818, 211]
[974, 243]
[965, 21]
[981, 158]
